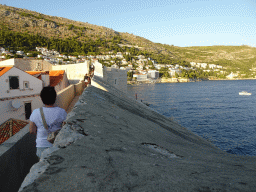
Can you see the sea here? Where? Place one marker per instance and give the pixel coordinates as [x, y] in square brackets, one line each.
[213, 110]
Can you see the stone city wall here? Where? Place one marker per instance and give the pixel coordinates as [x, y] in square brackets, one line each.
[18, 154]
[116, 77]
[113, 76]
[79, 88]
[75, 72]
[98, 69]
[112, 142]
[65, 96]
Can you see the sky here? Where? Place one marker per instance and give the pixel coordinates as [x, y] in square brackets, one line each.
[175, 22]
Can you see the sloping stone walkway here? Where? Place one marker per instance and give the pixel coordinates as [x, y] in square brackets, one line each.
[112, 142]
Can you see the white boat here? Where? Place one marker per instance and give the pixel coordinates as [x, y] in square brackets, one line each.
[244, 93]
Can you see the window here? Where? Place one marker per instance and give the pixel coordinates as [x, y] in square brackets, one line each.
[14, 82]
[38, 67]
[115, 81]
[25, 85]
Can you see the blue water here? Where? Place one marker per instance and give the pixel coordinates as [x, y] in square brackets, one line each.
[212, 109]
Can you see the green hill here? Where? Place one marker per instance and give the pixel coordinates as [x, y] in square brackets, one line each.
[27, 29]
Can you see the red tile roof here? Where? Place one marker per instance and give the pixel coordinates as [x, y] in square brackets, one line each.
[37, 74]
[56, 76]
[10, 128]
[3, 70]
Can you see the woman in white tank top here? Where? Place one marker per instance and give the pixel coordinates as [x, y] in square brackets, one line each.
[54, 117]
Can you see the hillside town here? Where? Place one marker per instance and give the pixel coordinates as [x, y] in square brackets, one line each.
[141, 68]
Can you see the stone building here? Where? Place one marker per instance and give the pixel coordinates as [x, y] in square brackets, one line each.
[27, 64]
[115, 77]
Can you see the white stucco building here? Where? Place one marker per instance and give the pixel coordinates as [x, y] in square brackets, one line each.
[203, 65]
[231, 75]
[193, 64]
[19, 94]
[55, 78]
[212, 66]
[153, 74]
[173, 71]
[141, 77]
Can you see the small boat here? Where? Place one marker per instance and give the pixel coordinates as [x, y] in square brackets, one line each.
[244, 93]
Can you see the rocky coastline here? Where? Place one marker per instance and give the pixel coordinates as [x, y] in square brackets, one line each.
[181, 80]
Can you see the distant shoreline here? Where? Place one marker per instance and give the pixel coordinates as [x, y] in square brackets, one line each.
[170, 80]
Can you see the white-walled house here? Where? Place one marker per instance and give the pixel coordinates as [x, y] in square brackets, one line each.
[198, 65]
[141, 77]
[63, 56]
[193, 64]
[2, 49]
[158, 66]
[231, 75]
[19, 94]
[124, 61]
[55, 78]
[129, 66]
[212, 66]
[203, 65]
[173, 71]
[141, 57]
[19, 52]
[154, 74]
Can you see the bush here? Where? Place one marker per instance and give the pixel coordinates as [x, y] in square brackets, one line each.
[8, 56]
[70, 27]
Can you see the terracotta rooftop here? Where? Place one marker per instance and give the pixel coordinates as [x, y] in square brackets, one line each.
[3, 70]
[36, 72]
[56, 76]
[10, 128]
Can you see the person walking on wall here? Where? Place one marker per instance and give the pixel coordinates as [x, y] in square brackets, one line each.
[86, 80]
[54, 117]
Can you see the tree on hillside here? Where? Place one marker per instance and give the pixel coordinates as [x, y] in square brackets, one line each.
[130, 75]
[166, 74]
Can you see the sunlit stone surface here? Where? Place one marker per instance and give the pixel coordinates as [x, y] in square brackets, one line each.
[114, 143]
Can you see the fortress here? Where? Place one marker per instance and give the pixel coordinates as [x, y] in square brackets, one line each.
[112, 142]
